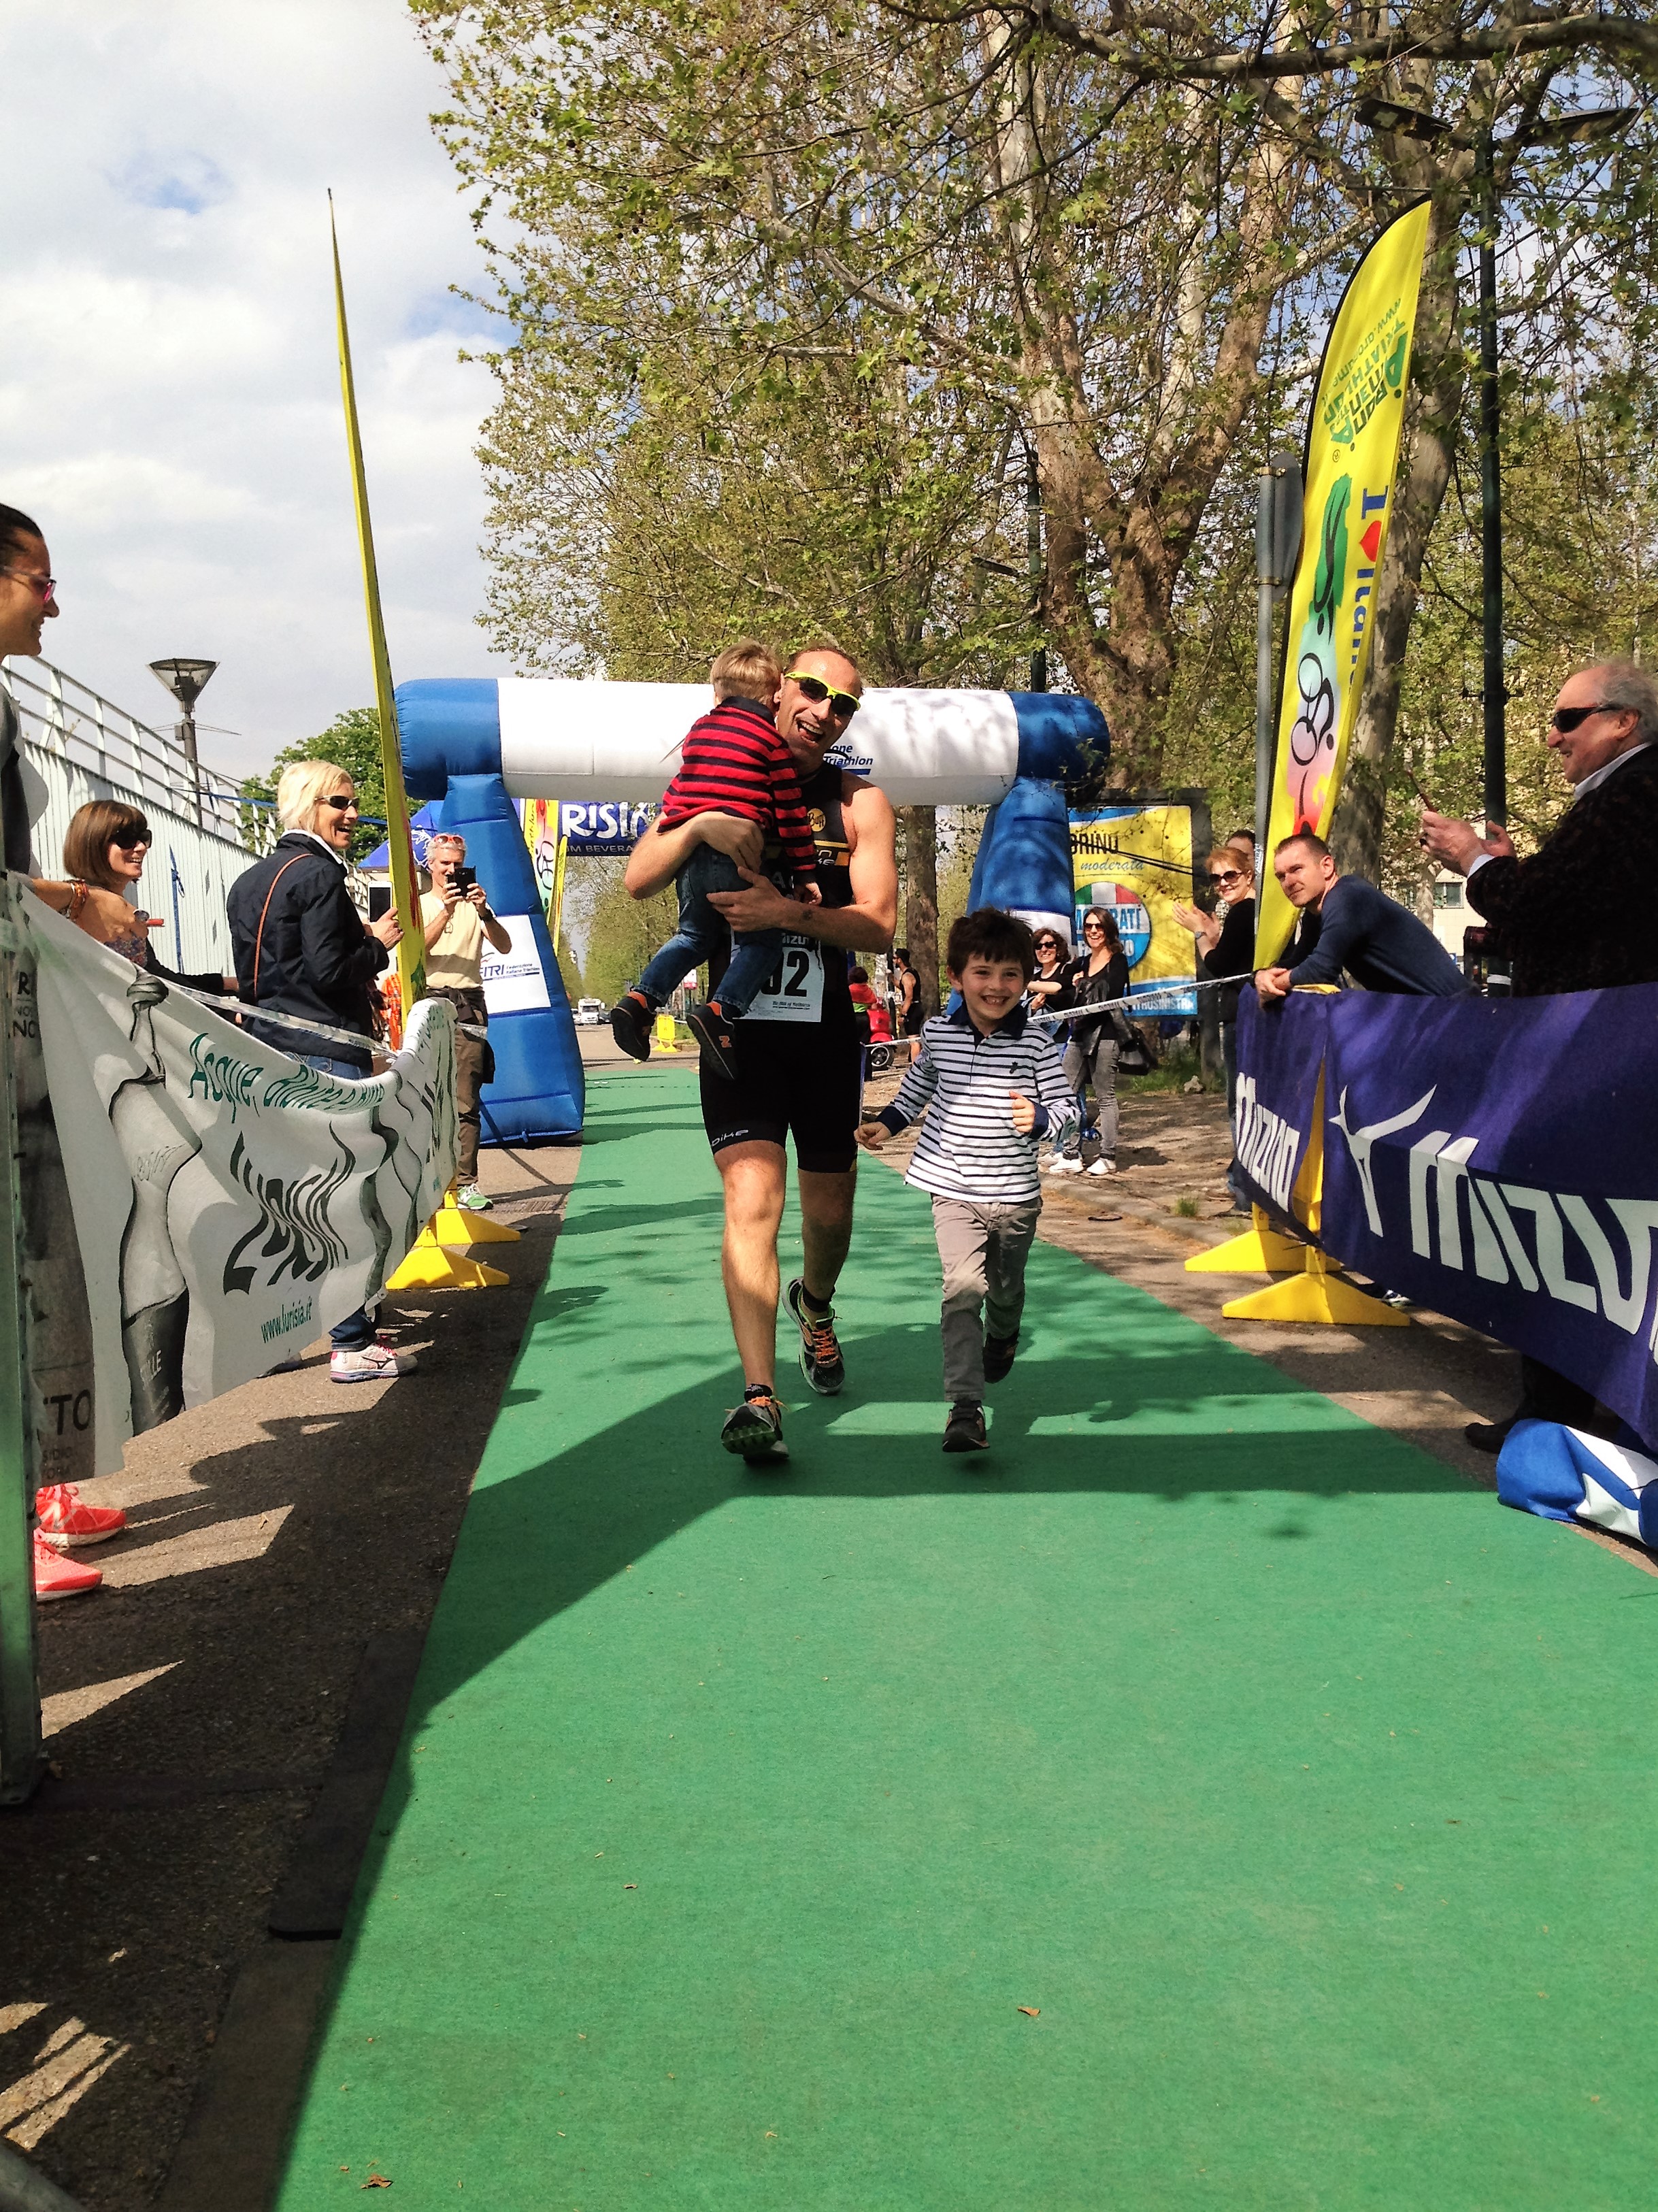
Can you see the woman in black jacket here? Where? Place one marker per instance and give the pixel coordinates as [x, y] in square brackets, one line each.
[302, 949]
[1101, 974]
[1226, 943]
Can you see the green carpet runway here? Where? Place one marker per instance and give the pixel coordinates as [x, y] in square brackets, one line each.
[1304, 1794]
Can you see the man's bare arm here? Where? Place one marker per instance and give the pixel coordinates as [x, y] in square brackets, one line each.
[660, 853]
[866, 924]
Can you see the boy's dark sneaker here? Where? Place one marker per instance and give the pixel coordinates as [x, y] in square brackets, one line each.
[754, 1431]
[630, 1025]
[712, 1033]
[999, 1356]
[821, 1360]
[964, 1430]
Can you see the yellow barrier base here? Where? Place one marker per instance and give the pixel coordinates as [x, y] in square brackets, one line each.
[1317, 1296]
[1260, 1250]
[454, 1224]
[428, 1266]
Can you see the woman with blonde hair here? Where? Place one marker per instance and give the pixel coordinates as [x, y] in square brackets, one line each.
[304, 951]
[104, 848]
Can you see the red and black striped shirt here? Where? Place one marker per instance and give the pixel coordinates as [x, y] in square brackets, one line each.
[733, 762]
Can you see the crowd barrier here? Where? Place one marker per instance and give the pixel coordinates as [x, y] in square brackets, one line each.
[1490, 1158]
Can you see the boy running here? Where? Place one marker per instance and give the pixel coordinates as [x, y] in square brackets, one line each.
[732, 761]
[993, 1086]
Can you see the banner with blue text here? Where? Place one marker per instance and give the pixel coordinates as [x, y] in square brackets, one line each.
[1492, 1158]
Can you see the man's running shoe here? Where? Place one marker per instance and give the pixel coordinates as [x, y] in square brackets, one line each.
[999, 1356]
[630, 1025]
[67, 1521]
[964, 1430]
[57, 1577]
[821, 1361]
[754, 1431]
[712, 1033]
[475, 1201]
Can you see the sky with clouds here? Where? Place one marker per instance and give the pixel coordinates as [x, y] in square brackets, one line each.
[169, 397]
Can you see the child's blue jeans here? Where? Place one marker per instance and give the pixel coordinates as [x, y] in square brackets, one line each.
[701, 934]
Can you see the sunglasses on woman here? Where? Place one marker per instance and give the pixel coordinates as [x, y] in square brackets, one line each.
[840, 703]
[1225, 875]
[131, 844]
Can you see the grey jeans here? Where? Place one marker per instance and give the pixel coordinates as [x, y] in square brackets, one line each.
[1094, 1063]
[983, 1250]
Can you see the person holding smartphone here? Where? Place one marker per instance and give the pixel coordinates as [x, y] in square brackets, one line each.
[456, 918]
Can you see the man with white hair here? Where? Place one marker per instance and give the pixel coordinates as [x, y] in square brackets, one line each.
[456, 918]
[1572, 915]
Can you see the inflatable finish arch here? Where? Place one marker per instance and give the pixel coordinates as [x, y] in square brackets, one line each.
[477, 743]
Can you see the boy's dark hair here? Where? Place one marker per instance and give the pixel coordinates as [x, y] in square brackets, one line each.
[15, 527]
[990, 934]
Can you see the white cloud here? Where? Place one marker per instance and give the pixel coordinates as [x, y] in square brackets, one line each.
[169, 393]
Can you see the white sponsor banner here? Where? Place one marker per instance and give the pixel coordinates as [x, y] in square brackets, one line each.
[512, 981]
[230, 1204]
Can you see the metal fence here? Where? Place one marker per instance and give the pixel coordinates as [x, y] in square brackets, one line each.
[83, 746]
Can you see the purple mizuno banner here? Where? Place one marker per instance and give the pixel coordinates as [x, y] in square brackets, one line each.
[1492, 1158]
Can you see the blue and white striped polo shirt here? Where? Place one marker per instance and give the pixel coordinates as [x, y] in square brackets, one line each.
[968, 1147]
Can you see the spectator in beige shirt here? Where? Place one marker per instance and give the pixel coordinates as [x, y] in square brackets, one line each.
[455, 916]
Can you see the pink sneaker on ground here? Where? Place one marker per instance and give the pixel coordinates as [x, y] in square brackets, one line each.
[65, 1518]
[57, 1577]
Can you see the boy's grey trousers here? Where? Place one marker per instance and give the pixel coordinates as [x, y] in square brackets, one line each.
[983, 1248]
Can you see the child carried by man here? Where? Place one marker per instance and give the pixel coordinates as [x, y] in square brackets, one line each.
[732, 761]
[991, 1085]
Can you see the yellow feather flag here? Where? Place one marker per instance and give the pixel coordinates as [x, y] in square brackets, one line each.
[1352, 451]
[412, 951]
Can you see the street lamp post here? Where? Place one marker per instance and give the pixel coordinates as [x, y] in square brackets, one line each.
[186, 680]
[1416, 123]
[1033, 546]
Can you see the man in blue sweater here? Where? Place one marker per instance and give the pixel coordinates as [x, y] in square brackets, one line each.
[1345, 923]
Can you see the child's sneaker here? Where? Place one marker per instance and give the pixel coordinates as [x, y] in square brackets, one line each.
[57, 1577]
[754, 1431]
[65, 1519]
[712, 1033]
[999, 1356]
[964, 1432]
[630, 1025]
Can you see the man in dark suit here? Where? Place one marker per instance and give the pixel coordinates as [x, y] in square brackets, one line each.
[1574, 915]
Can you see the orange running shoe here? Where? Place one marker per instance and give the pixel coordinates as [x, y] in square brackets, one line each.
[66, 1519]
[57, 1577]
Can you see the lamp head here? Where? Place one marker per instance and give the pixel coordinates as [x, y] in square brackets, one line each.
[185, 679]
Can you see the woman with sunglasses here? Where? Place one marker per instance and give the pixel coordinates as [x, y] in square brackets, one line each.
[1048, 992]
[1226, 942]
[1100, 975]
[104, 848]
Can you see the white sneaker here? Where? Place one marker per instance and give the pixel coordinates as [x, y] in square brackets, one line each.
[1104, 1166]
[375, 1363]
[1064, 1166]
[1056, 1165]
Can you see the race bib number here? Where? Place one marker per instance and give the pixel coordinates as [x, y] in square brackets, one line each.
[793, 992]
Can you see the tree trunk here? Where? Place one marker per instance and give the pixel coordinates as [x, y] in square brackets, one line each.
[921, 827]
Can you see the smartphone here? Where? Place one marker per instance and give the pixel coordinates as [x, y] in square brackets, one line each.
[379, 901]
[462, 879]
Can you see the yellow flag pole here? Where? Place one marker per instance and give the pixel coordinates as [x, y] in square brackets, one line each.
[412, 951]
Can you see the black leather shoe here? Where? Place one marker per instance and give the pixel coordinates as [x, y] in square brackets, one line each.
[1489, 1435]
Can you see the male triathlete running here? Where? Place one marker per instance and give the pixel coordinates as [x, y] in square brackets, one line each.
[797, 1052]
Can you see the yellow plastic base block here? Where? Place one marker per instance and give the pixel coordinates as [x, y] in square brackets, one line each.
[1260, 1250]
[428, 1266]
[666, 1032]
[1316, 1296]
[453, 1225]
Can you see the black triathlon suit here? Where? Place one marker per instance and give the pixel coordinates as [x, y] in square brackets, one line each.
[797, 1076]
